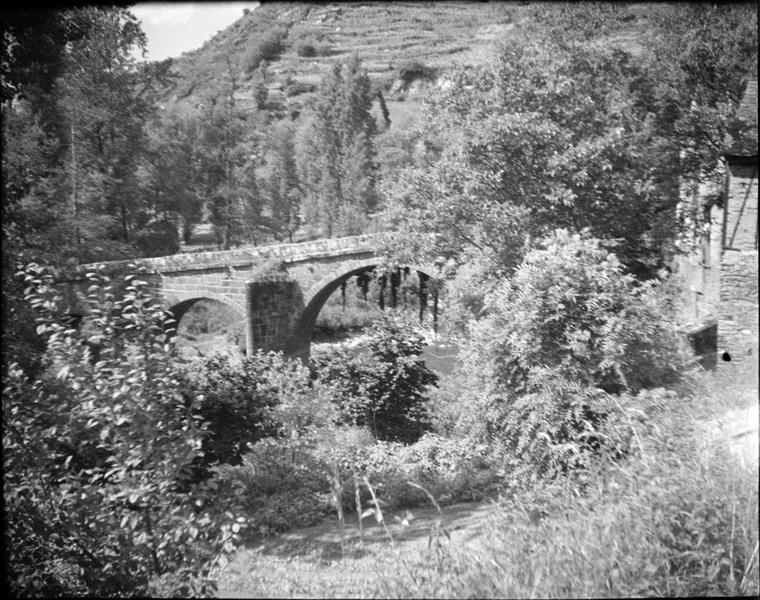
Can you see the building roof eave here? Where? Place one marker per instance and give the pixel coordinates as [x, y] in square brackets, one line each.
[741, 159]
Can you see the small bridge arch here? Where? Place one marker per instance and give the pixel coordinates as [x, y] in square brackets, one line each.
[179, 304]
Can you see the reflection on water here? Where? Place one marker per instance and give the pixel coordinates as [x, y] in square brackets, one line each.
[439, 355]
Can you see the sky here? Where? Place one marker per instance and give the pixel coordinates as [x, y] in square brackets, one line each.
[176, 27]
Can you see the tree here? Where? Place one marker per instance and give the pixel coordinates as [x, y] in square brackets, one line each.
[96, 452]
[281, 185]
[702, 56]
[104, 118]
[54, 207]
[226, 162]
[169, 182]
[33, 228]
[568, 128]
[34, 50]
[541, 140]
[335, 152]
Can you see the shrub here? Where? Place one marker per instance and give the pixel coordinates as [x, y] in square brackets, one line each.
[279, 485]
[270, 45]
[555, 343]
[266, 49]
[299, 87]
[95, 451]
[451, 469]
[415, 69]
[679, 518]
[385, 388]
[260, 94]
[306, 49]
[359, 314]
[238, 399]
[280, 482]
[159, 238]
[289, 482]
[571, 308]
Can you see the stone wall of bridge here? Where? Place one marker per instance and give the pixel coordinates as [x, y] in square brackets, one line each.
[277, 291]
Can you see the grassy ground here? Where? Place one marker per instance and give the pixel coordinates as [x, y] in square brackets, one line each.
[313, 562]
[679, 520]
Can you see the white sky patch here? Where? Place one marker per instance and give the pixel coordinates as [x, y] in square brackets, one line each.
[176, 27]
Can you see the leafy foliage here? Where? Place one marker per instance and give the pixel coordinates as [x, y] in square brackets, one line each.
[552, 343]
[267, 48]
[279, 483]
[238, 400]
[168, 172]
[568, 128]
[104, 117]
[335, 152]
[679, 517]
[385, 389]
[281, 186]
[158, 238]
[306, 49]
[294, 481]
[702, 57]
[96, 456]
[227, 167]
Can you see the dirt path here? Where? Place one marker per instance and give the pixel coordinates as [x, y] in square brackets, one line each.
[310, 563]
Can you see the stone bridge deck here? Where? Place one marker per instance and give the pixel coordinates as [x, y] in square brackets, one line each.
[241, 257]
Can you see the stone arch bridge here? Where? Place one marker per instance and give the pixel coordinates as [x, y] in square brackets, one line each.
[276, 290]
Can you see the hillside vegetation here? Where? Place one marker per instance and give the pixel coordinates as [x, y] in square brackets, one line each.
[404, 47]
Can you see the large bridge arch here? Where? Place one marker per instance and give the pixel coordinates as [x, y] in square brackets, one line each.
[317, 295]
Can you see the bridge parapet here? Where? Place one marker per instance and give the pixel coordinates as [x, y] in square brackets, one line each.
[239, 257]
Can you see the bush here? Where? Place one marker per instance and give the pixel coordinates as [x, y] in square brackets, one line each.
[159, 238]
[238, 399]
[385, 388]
[571, 308]
[554, 345]
[679, 518]
[280, 482]
[279, 485]
[270, 45]
[95, 453]
[306, 49]
[267, 48]
[415, 69]
[451, 469]
[358, 315]
[289, 482]
[299, 87]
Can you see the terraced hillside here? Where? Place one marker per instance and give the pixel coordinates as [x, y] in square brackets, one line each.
[285, 48]
[388, 37]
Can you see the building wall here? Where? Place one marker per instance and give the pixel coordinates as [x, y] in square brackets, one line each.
[738, 308]
[697, 270]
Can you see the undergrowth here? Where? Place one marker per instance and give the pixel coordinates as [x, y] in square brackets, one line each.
[678, 518]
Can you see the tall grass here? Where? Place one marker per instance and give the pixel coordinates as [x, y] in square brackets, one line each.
[678, 519]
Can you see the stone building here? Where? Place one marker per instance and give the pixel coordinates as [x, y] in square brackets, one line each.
[738, 302]
[719, 277]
